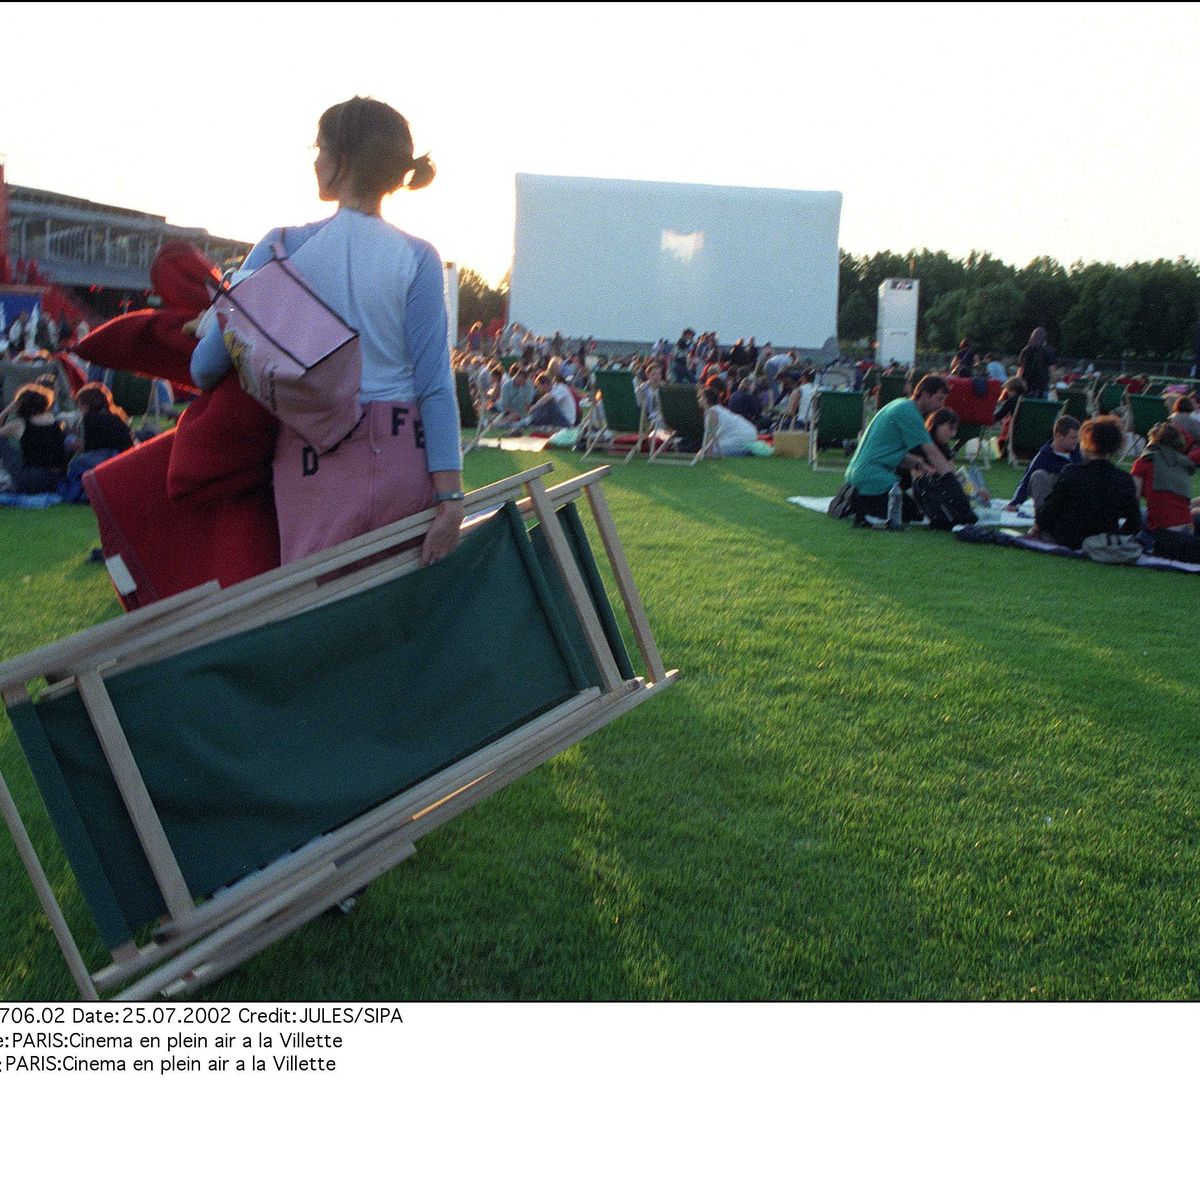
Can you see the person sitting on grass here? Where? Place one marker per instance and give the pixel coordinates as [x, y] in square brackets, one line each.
[1006, 405]
[750, 400]
[103, 426]
[1185, 419]
[647, 394]
[897, 437]
[1042, 473]
[943, 428]
[35, 459]
[729, 435]
[554, 407]
[1093, 496]
[1162, 474]
[516, 394]
[797, 404]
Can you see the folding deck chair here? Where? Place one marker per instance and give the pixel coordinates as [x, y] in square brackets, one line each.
[468, 414]
[891, 387]
[194, 852]
[616, 412]
[836, 418]
[1142, 412]
[1109, 398]
[1075, 404]
[680, 408]
[1032, 427]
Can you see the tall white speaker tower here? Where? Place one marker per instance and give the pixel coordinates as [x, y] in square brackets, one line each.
[896, 328]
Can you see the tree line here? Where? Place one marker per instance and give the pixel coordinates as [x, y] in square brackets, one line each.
[1091, 310]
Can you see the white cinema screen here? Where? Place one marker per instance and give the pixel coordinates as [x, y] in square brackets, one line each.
[631, 261]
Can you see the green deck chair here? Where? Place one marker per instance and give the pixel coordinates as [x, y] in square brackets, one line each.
[891, 387]
[1075, 404]
[1142, 413]
[616, 411]
[131, 392]
[836, 418]
[1109, 398]
[1032, 427]
[680, 408]
[468, 418]
[199, 840]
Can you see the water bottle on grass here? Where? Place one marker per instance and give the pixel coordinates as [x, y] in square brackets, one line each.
[895, 517]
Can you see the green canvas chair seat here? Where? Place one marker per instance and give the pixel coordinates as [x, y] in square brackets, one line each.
[243, 769]
[1032, 426]
[1075, 404]
[1109, 398]
[680, 408]
[617, 412]
[468, 418]
[837, 417]
[891, 387]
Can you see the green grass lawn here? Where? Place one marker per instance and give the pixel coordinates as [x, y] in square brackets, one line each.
[895, 766]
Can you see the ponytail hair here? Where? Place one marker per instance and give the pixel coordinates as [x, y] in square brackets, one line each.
[372, 143]
[422, 175]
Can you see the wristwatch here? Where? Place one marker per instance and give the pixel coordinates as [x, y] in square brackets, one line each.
[445, 497]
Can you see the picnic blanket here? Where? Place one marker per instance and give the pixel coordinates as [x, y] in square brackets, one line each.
[37, 500]
[1007, 537]
[988, 514]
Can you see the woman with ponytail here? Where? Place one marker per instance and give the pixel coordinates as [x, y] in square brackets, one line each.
[404, 455]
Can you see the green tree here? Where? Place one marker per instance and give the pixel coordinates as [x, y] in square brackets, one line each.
[1166, 308]
[943, 319]
[991, 316]
[1049, 294]
[477, 300]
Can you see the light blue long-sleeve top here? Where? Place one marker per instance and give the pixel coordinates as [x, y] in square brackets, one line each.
[388, 286]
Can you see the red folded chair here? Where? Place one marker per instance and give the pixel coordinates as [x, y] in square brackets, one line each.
[973, 408]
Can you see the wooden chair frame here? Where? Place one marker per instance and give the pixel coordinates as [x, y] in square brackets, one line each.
[199, 941]
[663, 451]
[595, 425]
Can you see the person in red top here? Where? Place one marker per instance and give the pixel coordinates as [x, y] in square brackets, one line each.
[1162, 475]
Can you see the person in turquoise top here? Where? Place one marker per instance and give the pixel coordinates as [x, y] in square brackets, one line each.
[896, 438]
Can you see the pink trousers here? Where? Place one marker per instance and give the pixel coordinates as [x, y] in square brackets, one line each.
[376, 476]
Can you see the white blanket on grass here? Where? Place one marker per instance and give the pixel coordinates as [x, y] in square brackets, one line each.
[988, 514]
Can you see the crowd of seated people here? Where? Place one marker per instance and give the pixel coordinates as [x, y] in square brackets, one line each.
[46, 447]
[30, 333]
[761, 385]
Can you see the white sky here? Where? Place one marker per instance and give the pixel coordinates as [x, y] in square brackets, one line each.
[1068, 130]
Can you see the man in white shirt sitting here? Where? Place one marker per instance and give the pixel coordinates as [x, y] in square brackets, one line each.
[554, 408]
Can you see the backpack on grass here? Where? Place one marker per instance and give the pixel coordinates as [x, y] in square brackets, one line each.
[943, 501]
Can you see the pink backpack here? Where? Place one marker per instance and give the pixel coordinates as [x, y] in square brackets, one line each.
[293, 353]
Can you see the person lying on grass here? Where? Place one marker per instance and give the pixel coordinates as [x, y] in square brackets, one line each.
[1042, 473]
[897, 438]
[1093, 496]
